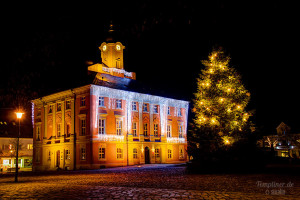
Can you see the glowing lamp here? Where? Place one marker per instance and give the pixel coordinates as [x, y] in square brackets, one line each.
[19, 115]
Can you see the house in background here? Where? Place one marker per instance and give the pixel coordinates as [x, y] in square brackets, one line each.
[8, 140]
[114, 121]
[285, 144]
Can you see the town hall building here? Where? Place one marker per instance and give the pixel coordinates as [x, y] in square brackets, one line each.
[107, 123]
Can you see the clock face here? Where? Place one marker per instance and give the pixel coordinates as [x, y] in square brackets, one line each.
[118, 47]
[104, 48]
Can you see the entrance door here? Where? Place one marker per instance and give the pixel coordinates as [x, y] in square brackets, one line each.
[57, 158]
[147, 155]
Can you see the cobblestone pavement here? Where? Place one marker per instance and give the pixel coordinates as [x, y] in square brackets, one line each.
[148, 182]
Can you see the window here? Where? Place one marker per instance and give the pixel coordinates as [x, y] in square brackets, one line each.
[119, 153]
[101, 153]
[82, 154]
[134, 129]
[157, 153]
[101, 101]
[68, 154]
[101, 126]
[179, 112]
[169, 112]
[58, 107]
[82, 101]
[134, 106]
[155, 109]
[37, 155]
[180, 131]
[119, 103]
[68, 105]
[156, 130]
[83, 126]
[58, 129]
[145, 129]
[181, 154]
[29, 146]
[49, 155]
[169, 153]
[145, 107]
[169, 130]
[38, 132]
[50, 109]
[135, 156]
[119, 127]
[68, 130]
[284, 153]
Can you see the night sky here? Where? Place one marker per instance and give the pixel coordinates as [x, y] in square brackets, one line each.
[46, 48]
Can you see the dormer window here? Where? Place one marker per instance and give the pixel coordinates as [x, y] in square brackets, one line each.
[145, 107]
[155, 109]
[119, 103]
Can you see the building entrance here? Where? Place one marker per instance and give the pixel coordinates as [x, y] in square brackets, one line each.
[147, 155]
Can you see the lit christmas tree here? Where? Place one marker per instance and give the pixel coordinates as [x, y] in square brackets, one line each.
[221, 99]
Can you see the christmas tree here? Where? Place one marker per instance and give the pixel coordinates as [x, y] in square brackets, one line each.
[221, 99]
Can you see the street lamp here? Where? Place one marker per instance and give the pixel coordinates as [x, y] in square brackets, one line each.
[19, 116]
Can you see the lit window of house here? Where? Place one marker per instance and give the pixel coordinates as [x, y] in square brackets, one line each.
[155, 109]
[119, 153]
[145, 129]
[30, 146]
[135, 156]
[157, 153]
[101, 101]
[156, 130]
[68, 154]
[169, 130]
[82, 127]
[119, 103]
[181, 153]
[145, 107]
[68, 105]
[134, 129]
[82, 154]
[180, 131]
[101, 126]
[58, 107]
[169, 153]
[101, 153]
[58, 129]
[134, 106]
[119, 126]
[82, 101]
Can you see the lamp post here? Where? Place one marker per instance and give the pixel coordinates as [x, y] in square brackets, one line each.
[19, 116]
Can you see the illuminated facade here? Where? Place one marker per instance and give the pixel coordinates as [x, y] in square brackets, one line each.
[104, 125]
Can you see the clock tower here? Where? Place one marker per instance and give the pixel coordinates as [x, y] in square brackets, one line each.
[112, 54]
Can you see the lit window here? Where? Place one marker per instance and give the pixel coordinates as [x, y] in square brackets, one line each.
[284, 153]
[68, 154]
[58, 107]
[157, 153]
[119, 103]
[155, 109]
[101, 101]
[82, 153]
[101, 126]
[145, 129]
[134, 106]
[68, 105]
[156, 130]
[119, 153]
[181, 153]
[179, 112]
[68, 130]
[82, 127]
[119, 126]
[134, 129]
[101, 153]
[135, 156]
[82, 101]
[58, 129]
[30, 146]
[180, 131]
[145, 107]
[169, 130]
[169, 153]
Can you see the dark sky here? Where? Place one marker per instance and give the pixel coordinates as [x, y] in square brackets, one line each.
[165, 43]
